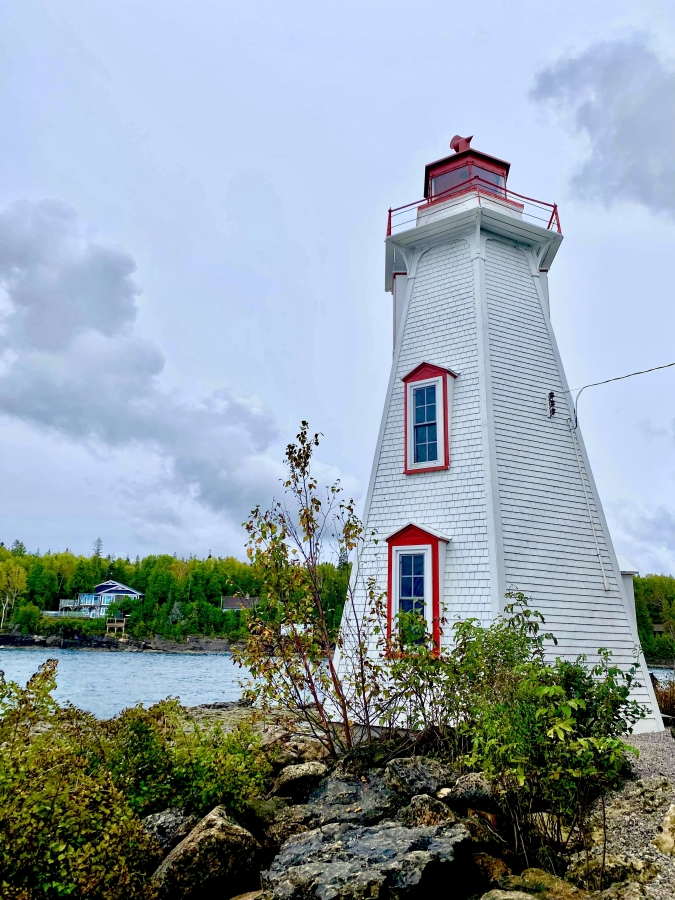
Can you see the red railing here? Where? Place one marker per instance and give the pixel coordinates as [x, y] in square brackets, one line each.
[407, 216]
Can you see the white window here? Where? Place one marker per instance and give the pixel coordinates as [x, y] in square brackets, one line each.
[426, 404]
[412, 582]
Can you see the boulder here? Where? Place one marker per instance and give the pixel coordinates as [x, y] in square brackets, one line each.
[169, 827]
[416, 775]
[471, 791]
[347, 862]
[489, 870]
[425, 810]
[285, 747]
[297, 782]
[363, 802]
[217, 857]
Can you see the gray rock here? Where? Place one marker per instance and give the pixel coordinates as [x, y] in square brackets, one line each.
[363, 802]
[217, 857]
[417, 775]
[345, 862]
[297, 782]
[169, 827]
[470, 791]
[506, 895]
[425, 810]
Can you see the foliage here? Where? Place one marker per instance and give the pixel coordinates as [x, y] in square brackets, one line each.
[159, 758]
[182, 596]
[665, 696]
[72, 789]
[657, 592]
[547, 735]
[70, 627]
[12, 583]
[65, 828]
[292, 635]
[27, 617]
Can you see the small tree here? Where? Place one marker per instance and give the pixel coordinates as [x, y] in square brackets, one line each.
[290, 650]
[12, 583]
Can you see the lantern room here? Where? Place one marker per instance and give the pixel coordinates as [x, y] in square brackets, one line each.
[467, 169]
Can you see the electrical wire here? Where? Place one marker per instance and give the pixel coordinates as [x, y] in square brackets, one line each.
[607, 381]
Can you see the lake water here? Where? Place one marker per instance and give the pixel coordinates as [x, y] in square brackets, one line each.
[105, 683]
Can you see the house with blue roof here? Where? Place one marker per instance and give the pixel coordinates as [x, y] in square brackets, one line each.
[96, 604]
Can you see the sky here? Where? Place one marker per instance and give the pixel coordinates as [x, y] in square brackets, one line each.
[192, 212]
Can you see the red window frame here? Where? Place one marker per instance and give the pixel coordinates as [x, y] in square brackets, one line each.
[412, 535]
[424, 372]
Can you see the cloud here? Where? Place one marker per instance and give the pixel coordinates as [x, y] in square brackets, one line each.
[646, 535]
[621, 96]
[73, 362]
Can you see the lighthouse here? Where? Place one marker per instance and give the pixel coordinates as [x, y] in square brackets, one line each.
[481, 483]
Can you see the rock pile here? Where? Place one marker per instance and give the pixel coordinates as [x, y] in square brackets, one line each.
[399, 830]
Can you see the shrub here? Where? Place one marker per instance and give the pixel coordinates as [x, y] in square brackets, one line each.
[65, 828]
[160, 758]
[72, 789]
[71, 628]
[665, 697]
[547, 735]
[28, 617]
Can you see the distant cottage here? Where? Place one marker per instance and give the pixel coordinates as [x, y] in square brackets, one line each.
[96, 604]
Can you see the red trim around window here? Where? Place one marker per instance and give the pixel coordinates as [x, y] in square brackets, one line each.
[423, 372]
[414, 536]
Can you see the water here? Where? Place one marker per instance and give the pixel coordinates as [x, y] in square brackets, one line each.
[106, 682]
[662, 674]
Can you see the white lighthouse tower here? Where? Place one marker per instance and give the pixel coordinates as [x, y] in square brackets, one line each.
[480, 481]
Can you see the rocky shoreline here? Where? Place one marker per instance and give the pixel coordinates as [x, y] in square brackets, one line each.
[113, 643]
[402, 829]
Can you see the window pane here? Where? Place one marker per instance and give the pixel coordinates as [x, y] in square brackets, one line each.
[432, 452]
[431, 394]
[490, 181]
[419, 397]
[431, 433]
[420, 414]
[411, 586]
[448, 180]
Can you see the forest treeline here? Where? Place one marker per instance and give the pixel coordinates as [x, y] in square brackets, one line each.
[655, 605]
[181, 596]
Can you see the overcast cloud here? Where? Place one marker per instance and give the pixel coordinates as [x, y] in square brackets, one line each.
[72, 361]
[621, 96]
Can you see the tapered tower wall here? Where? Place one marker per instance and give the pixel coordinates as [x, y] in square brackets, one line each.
[517, 508]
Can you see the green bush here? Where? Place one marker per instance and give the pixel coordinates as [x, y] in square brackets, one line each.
[70, 628]
[73, 789]
[28, 616]
[547, 735]
[160, 758]
[65, 828]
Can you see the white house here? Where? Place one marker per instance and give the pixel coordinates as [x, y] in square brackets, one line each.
[96, 604]
[480, 480]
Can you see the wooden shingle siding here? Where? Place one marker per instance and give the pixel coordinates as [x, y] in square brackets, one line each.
[548, 544]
